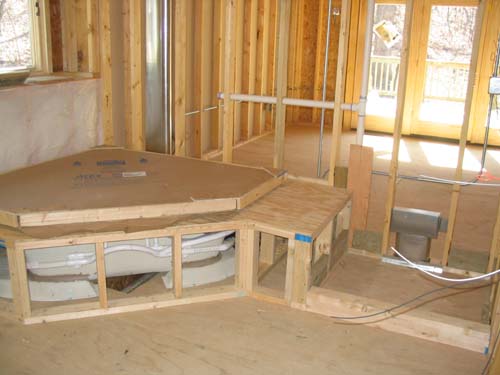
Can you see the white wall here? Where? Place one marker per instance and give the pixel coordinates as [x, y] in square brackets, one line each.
[44, 122]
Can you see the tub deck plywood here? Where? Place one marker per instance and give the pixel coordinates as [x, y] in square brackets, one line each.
[111, 184]
[294, 207]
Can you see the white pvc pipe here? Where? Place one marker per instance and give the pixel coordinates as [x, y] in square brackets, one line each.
[308, 103]
[290, 101]
[360, 131]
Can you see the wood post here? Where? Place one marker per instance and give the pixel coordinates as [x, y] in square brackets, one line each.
[19, 281]
[248, 259]
[106, 72]
[301, 271]
[281, 82]
[180, 50]
[228, 131]
[473, 78]
[252, 69]
[137, 75]
[267, 248]
[359, 181]
[339, 88]
[398, 126]
[177, 265]
[101, 275]
[265, 62]
[93, 36]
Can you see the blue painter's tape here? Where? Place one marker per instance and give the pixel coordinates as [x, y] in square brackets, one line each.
[303, 238]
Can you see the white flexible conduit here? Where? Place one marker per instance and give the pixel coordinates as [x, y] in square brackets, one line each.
[419, 268]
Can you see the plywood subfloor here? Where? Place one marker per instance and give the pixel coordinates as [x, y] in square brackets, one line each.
[477, 205]
[370, 278]
[104, 178]
[240, 336]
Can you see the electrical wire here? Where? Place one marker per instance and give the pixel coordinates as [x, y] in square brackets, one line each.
[419, 268]
[401, 305]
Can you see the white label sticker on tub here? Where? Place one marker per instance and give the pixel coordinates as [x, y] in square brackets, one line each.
[134, 174]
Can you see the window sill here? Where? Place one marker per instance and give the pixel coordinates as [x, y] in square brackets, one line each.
[47, 79]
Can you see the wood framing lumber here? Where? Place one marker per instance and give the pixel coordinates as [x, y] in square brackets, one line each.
[137, 74]
[267, 248]
[180, 48]
[238, 66]
[248, 258]
[106, 71]
[132, 305]
[359, 181]
[202, 136]
[284, 11]
[265, 62]
[339, 88]
[24, 300]
[69, 30]
[427, 325]
[228, 131]
[101, 275]
[252, 69]
[398, 126]
[464, 130]
[301, 271]
[290, 256]
[177, 265]
[14, 278]
[494, 246]
[93, 36]
[220, 24]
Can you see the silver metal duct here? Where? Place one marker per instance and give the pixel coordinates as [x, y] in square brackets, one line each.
[158, 97]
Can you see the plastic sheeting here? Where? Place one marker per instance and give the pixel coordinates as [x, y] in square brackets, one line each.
[48, 121]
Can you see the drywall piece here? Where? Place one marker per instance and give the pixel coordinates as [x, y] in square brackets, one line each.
[112, 184]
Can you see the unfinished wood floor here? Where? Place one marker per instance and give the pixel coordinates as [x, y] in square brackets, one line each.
[241, 336]
[370, 278]
[477, 206]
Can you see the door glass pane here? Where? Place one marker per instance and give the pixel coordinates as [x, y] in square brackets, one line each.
[447, 65]
[385, 57]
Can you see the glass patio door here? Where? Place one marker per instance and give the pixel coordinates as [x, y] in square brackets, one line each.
[444, 54]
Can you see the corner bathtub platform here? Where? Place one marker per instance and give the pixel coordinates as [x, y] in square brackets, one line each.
[291, 239]
[107, 195]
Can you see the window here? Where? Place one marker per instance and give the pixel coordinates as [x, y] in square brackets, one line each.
[24, 35]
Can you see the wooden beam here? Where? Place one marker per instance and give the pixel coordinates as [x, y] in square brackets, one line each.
[339, 88]
[14, 278]
[398, 125]
[127, 81]
[284, 8]
[93, 36]
[473, 78]
[426, 325]
[137, 75]
[180, 44]
[177, 264]
[228, 133]
[101, 275]
[106, 72]
[252, 70]
[290, 255]
[359, 181]
[266, 35]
